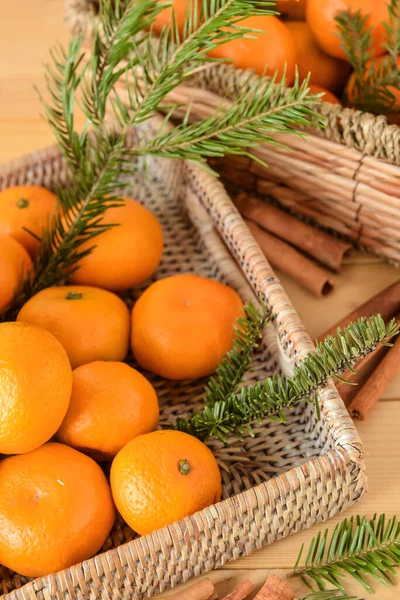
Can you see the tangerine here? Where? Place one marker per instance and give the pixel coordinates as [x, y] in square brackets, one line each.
[111, 403]
[161, 477]
[293, 9]
[26, 206]
[180, 8]
[35, 387]
[92, 324]
[320, 15]
[327, 97]
[15, 263]
[56, 510]
[393, 90]
[267, 52]
[183, 325]
[125, 255]
[326, 71]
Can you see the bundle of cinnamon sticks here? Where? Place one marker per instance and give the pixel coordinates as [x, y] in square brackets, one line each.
[288, 243]
[376, 370]
[274, 588]
[292, 246]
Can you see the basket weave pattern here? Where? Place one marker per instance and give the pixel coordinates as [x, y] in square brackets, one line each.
[285, 478]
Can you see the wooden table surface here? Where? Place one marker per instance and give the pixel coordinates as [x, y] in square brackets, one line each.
[27, 29]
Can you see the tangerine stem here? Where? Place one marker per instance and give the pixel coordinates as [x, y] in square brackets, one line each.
[73, 296]
[22, 202]
[184, 467]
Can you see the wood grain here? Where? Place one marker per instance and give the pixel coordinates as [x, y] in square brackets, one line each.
[27, 30]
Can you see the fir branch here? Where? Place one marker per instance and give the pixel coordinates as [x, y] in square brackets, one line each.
[270, 398]
[392, 27]
[328, 595]
[63, 77]
[236, 363]
[357, 548]
[373, 79]
[377, 92]
[99, 161]
[356, 42]
[238, 127]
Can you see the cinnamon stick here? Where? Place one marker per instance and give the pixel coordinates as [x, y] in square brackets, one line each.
[365, 368]
[373, 389]
[291, 262]
[241, 591]
[201, 590]
[321, 246]
[386, 303]
[275, 588]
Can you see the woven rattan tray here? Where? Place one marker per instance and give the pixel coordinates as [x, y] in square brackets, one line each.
[286, 478]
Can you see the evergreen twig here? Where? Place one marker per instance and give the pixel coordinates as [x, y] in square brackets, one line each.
[269, 399]
[357, 548]
[392, 27]
[97, 156]
[328, 595]
[374, 79]
[235, 364]
[356, 42]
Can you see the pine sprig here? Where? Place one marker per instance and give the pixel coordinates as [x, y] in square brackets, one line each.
[235, 364]
[97, 156]
[270, 398]
[374, 79]
[328, 595]
[357, 548]
[238, 127]
[356, 42]
[224, 385]
[392, 27]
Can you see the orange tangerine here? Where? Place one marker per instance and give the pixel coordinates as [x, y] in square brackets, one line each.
[15, 263]
[91, 324]
[111, 404]
[271, 50]
[26, 207]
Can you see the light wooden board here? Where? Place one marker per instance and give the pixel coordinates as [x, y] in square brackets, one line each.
[27, 29]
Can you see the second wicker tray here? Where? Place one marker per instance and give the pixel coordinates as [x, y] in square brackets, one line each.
[344, 178]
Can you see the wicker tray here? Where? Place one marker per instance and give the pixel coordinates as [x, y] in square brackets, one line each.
[284, 479]
[345, 178]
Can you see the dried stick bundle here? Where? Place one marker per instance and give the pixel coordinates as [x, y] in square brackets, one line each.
[287, 242]
[275, 588]
[365, 368]
[373, 389]
[241, 591]
[386, 303]
[292, 262]
[314, 242]
[201, 590]
[377, 369]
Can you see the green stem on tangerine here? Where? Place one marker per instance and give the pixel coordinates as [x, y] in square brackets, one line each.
[73, 296]
[22, 202]
[184, 467]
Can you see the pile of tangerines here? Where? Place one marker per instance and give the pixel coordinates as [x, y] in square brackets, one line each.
[305, 36]
[69, 404]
